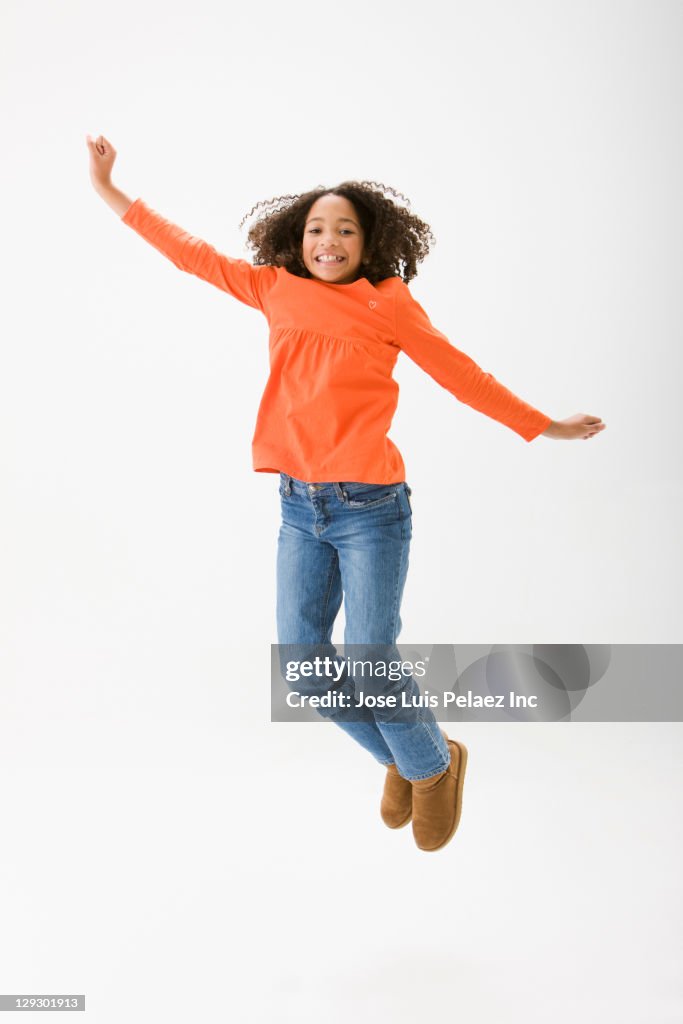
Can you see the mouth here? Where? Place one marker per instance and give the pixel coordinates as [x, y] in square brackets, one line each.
[327, 261]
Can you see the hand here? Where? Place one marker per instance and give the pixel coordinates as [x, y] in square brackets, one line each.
[581, 425]
[102, 157]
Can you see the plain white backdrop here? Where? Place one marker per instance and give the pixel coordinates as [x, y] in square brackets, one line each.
[166, 849]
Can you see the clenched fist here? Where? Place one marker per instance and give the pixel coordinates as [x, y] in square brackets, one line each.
[102, 157]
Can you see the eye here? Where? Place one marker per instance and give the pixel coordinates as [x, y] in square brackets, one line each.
[348, 231]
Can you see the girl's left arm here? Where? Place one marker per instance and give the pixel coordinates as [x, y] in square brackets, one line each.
[465, 379]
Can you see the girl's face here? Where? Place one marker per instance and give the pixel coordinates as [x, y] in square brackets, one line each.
[332, 229]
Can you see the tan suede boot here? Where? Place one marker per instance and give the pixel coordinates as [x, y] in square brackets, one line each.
[437, 802]
[397, 799]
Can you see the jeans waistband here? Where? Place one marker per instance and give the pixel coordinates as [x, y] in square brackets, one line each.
[291, 483]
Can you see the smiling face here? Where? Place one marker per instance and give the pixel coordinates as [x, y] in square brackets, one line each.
[332, 229]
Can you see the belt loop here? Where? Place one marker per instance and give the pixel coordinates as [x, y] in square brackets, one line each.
[339, 491]
[288, 485]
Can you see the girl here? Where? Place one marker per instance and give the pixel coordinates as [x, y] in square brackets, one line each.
[330, 274]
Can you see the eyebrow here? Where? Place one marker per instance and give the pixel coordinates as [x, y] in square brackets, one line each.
[338, 219]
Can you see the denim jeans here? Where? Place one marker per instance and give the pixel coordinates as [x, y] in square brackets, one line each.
[351, 541]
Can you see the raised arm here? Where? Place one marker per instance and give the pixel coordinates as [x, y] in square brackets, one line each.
[237, 277]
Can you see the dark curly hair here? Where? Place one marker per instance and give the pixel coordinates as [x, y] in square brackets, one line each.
[396, 240]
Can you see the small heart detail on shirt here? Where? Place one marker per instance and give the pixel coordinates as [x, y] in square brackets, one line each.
[372, 304]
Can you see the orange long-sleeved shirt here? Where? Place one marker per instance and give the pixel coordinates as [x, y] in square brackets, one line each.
[330, 396]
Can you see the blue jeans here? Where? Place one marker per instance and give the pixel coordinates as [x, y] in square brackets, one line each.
[351, 540]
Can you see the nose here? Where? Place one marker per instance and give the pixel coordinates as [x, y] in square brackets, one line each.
[328, 235]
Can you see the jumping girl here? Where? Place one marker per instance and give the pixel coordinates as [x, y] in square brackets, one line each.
[331, 273]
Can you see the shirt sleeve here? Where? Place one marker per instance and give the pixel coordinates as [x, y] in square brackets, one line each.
[237, 277]
[458, 373]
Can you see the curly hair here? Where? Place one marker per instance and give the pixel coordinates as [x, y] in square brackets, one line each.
[396, 240]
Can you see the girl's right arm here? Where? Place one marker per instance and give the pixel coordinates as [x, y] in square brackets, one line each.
[237, 277]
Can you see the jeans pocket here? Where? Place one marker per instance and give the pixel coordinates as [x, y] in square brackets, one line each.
[369, 495]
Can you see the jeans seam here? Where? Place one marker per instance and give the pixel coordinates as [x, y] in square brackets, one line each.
[325, 604]
[444, 766]
[400, 573]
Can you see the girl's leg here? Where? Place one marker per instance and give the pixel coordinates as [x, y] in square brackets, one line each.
[373, 555]
[309, 595]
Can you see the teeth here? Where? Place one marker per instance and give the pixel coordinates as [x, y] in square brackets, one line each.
[329, 259]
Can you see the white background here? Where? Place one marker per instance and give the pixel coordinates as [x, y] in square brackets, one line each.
[165, 848]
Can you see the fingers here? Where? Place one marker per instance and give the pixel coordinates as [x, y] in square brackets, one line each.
[593, 433]
[100, 144]
[594, 425]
